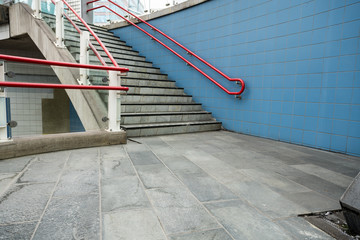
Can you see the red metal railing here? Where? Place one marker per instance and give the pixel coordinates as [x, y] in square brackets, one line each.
[92, 33]
[178, 55]
[90, 44]
[62, 64]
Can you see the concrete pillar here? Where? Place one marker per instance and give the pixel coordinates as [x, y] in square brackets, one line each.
[87, 16]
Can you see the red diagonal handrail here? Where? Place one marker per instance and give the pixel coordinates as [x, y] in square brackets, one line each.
[61, 86]
[90, 44]
[178, 55]
[183, 47]
[61, 64]
[92, 33]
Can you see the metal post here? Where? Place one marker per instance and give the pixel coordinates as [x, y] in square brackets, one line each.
[3, 112]
[84, 57]
[114, 103]
[59, 11]
[37, 8]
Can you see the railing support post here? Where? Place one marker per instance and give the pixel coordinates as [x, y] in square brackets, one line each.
[59, 11]
[3, 111]
[37, 8]
[84, 57]
[114, 103]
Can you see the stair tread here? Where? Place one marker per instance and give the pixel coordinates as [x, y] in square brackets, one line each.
[151, 125]
[157, 103]
[164, 113]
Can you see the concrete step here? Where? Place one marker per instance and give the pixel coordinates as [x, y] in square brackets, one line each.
[132, 65]
[164, 117]
[141, 107]
[142, 130]
[74, 45]
[122, 61]
[149, 76]
[152, 98]
[151, 90]
[97, 80]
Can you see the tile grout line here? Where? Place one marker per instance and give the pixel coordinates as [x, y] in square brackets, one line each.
[100, 195]
[50, 198]
[149, 199]
[197, 200]
[18, 175]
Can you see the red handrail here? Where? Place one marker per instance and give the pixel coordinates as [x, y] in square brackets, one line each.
[62, 86]
[183, 47]
[90, 44]
[92, 33]
[62, 64]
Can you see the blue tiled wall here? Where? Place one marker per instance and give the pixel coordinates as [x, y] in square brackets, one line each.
[300, 61]
[75, 122]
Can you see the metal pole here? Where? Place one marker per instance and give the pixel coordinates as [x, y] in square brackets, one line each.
[84, 56]
[3, 112]
[59, 11]
[114, 103]
[37, 8]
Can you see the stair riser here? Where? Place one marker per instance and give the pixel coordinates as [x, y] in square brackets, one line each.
[165, 118]
[124, 62]
[155, 91]
[172, 130]
[75, 44]
[154, 99]
[147, 83]
[147, 76]
[122, 54]
[159, 108]
[97, 80]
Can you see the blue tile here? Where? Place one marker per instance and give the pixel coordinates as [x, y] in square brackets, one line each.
[336, 16]
[355, 112]
[314, 80]
[328, 95]
[352, 12]
[287, 107]
[356, 96]
[329, 80]
[326, 110]
[331, 64]
[300, 94]
[286, 120]
[325, 125]
[298, 122]
[351, 29]
[345, 79]
[338, 143]
[342, 111]
[354, 129]
[274, 132]
[321, 20]
[349, 46]
[343, 95]
[353, 146]
[347, 63]
[296, 136]
[309, 138]
[310, 123]
[312, 109]
[299, 108]
[332, 49]
[313, 95]
[323, 140]
[340, 127]
[284, 134]
[316, 66]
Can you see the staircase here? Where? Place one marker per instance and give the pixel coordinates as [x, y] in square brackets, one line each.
[154, 105]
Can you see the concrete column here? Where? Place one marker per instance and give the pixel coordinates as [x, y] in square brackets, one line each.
[87, 16]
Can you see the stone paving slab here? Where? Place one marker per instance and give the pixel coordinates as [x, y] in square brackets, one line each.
[214, 234]
[211, 185]
[245, 222]
[132, 224]
[24, 202]
[71, 218]
[21, 231]
[179, 212]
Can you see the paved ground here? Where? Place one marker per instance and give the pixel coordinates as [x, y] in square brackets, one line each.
[214, 185]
